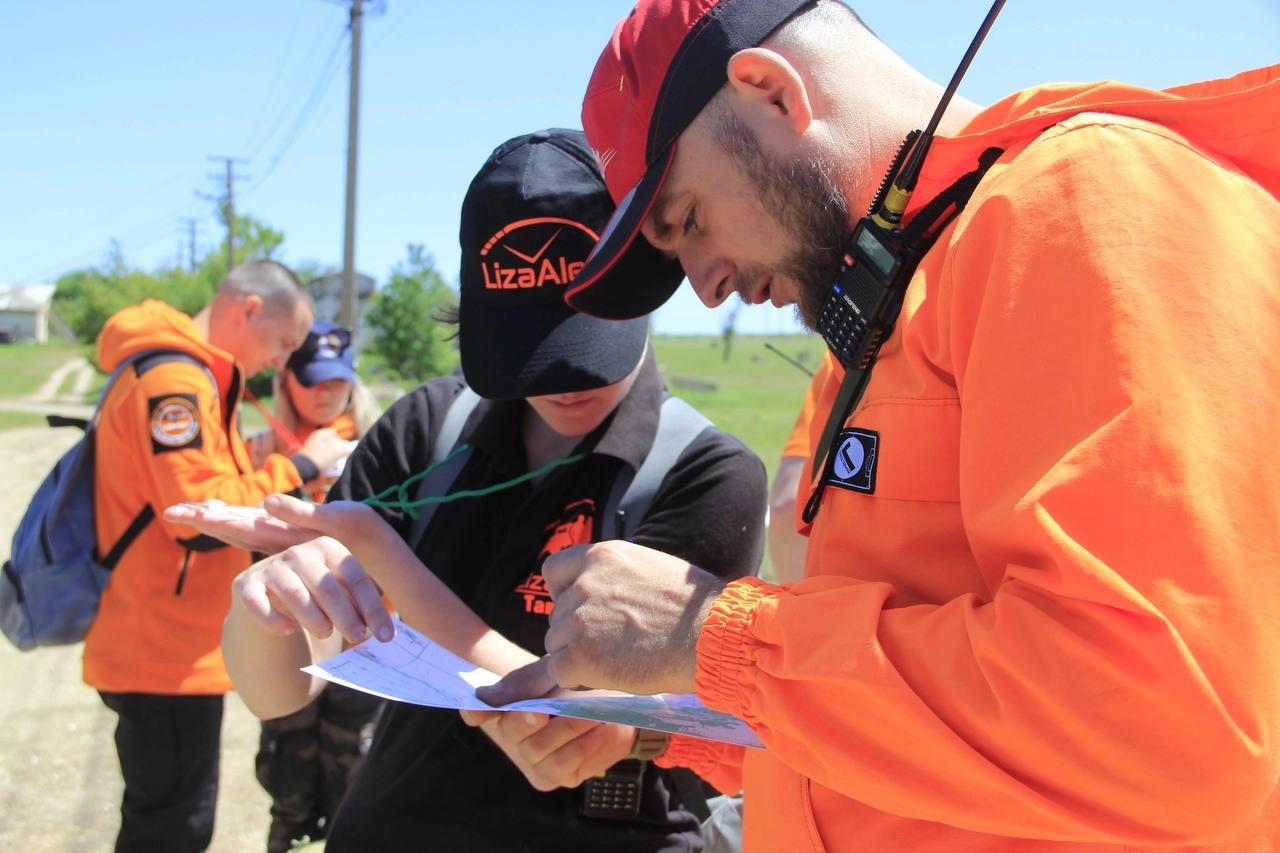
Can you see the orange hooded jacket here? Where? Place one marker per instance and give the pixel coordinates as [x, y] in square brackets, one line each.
[164, 438]
[1054, 623]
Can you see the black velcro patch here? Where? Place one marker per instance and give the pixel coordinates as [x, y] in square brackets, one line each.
[853, 461]
[175, 422]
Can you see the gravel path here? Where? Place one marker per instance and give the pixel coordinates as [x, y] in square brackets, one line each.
[59, 779]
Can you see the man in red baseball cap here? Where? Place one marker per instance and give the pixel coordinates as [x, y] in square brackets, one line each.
[1041, 591]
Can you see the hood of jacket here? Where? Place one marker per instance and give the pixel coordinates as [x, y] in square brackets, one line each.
[152, 325]
[1236, 119]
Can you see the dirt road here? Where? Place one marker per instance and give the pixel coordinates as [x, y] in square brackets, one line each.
[59, 780]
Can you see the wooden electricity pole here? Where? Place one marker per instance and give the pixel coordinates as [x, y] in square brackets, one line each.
[349, 314]
[228, 202]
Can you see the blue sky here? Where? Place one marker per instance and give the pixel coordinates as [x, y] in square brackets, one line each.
[110, 109]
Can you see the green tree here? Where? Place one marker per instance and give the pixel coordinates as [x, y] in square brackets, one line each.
[85, 298]
[408, 341]
[255, 241]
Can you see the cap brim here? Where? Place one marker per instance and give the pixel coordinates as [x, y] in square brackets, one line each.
[548, 350]
[322, 371]
[625, 276]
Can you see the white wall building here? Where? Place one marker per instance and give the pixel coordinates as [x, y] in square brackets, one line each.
[24, 312]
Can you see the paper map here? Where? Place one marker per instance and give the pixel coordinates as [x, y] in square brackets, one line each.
[412, 668]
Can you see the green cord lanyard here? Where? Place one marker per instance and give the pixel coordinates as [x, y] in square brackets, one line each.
[397, 497]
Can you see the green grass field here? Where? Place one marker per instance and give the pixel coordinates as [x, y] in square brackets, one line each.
[755, 394]
[23, 366]
[20, 420]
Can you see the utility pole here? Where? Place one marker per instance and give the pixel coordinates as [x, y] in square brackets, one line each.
[192, 223]
[228, 202]
[349, 313]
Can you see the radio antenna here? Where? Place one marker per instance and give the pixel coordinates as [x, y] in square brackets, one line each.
[896, 199]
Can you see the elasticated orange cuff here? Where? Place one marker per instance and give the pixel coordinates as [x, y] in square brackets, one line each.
[692, 752]
[724, 672]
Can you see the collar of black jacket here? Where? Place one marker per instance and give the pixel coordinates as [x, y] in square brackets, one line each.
[627, 434]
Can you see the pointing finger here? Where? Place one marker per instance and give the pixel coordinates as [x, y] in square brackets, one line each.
[527, 682]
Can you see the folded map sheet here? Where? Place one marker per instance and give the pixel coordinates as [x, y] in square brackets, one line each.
[412, 668]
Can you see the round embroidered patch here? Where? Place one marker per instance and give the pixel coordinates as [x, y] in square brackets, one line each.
[175, 422]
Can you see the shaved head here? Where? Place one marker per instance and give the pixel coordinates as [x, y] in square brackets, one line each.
[271, 281]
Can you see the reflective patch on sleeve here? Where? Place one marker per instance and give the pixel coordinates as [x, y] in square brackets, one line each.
[175, 422]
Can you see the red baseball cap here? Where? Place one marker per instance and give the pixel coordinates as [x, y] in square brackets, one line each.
[665, 62]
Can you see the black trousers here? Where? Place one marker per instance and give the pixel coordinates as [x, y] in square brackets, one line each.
[168, 748]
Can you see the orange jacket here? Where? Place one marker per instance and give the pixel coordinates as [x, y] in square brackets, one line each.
[1053, 625]
[344, 425]
[262, 444]
[816, 400]
[164, 438]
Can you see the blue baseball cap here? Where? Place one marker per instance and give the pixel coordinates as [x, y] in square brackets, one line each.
[325, 354]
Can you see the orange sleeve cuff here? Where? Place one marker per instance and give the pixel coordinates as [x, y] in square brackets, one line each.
[725, 667]
[717, 763]
[684, 751]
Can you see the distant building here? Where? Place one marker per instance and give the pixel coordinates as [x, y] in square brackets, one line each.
[24, 312]
[327, 293]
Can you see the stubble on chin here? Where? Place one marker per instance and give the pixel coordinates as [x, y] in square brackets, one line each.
[803, 195]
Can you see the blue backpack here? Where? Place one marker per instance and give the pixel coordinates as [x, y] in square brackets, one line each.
[54, 577]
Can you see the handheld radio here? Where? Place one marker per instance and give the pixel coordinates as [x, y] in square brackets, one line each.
[865, 297]
[862, 306]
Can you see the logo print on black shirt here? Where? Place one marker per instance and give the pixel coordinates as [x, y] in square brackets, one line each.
[573, 526]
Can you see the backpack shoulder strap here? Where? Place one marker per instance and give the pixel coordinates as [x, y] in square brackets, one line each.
[144, 361]
[439, 480]
[678, 425]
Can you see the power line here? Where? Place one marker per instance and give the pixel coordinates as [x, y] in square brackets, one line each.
[329, 71]
[153, 230]
[272, 118]
[113, 216]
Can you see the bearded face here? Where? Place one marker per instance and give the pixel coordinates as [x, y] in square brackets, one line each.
[803, 197]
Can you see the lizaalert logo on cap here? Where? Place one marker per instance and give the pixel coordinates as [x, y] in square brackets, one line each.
[535, 253]
[853, 464]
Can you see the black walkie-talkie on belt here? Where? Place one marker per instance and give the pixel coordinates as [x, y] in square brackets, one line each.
[860, 310]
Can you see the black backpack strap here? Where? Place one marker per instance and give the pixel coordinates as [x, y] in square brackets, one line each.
[66, 421]
[132, 532]
[440, 479]
[678, 425]
[919, 237]
[630, 498]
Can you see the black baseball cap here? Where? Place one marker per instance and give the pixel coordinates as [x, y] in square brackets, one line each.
[530, 218]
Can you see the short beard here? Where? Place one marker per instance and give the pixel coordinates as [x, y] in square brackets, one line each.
[803, 196]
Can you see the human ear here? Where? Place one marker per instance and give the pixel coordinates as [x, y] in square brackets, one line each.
[764, 79]
[252, 304]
